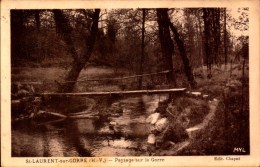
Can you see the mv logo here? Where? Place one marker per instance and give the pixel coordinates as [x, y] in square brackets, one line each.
[239, 149]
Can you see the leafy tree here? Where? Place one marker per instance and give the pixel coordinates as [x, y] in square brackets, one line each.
[64, 28]
[167, 46]
[211, 18]
[242, 23]
[166, 43]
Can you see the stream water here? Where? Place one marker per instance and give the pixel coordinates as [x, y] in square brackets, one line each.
[123, 134]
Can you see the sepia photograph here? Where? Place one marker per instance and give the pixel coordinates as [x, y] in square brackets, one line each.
[129, 82]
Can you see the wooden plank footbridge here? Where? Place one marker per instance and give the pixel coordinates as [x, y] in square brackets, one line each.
[111, 93]
[175, 91]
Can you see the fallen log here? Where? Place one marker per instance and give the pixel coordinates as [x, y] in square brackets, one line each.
[52, 113]
[81, 113]
[132, 92]
[56, 114]
[83, 116]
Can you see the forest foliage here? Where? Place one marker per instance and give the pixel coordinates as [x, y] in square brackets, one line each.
[138, 40]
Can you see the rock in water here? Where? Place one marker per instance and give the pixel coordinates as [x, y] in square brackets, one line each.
[152, 129]
[151, 139]
[153, 118]
[31, 115]
[196, 93]
[161, 124]
[205, 96]
[113, 123]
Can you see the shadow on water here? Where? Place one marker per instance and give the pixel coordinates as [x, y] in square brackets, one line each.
[120, 132]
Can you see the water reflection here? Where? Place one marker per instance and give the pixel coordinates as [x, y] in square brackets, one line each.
[88, 137]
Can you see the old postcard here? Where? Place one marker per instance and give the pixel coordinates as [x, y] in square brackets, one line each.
[130, 83]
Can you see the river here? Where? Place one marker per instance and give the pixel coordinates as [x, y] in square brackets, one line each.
[122, 134]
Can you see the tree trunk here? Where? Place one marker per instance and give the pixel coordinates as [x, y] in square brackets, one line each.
[201, 40]
[245, 54]
[207, 39]
[17, 35]
[216, 34]
[71, 77]
[166, 43]
[37, 19]
[142, 47]
[185, 60]
[63, 27]
[225, 37]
